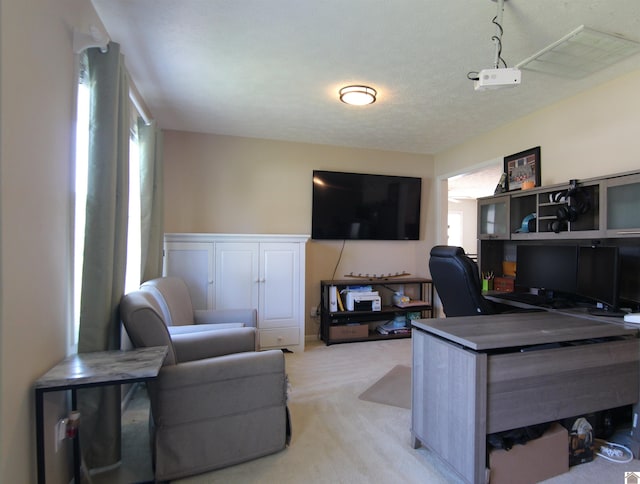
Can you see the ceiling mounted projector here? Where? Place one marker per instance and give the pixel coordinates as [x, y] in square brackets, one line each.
[497, 78]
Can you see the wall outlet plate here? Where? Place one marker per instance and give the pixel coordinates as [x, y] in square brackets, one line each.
[60, 432]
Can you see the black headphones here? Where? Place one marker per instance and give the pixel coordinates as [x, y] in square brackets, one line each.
[578, 202]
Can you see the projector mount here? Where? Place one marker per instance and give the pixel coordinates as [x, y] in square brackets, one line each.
[497, 77]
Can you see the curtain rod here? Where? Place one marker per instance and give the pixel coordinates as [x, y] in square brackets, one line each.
[139, 103]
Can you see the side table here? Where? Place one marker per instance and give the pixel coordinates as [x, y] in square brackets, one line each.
[94, 369]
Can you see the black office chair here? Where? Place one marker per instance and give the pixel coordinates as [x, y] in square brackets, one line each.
[457, 281]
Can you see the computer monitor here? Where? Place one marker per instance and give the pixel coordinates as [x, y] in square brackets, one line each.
[599, 274]
[548, 267]
[629, 282]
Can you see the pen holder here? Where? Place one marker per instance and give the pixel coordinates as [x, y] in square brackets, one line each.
[487, 285]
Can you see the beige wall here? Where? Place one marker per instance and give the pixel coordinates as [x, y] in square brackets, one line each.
[239, 185]
[216, 184]
[37, 100]
[593, 133]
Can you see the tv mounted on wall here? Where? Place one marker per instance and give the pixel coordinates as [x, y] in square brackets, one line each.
[359, 206]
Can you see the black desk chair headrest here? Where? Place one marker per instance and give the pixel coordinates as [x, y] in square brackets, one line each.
[457, 281]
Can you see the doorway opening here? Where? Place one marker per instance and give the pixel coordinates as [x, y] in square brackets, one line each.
[463, 191]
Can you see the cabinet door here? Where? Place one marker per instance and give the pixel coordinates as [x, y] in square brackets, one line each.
[493, 218]
[193, 262]
[279, 285]
[237, 275]
[622, 202]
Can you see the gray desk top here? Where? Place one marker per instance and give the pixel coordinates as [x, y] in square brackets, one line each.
[104, 367]
[499, 331]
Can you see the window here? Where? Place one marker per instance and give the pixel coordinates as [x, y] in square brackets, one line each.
[132, 279]
[81, 178]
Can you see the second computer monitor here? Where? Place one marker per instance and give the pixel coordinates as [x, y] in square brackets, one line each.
[548, 267]
[598, 274]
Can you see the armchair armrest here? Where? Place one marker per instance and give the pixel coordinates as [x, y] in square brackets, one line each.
[208, 344]
[242, 382]
[246, 316]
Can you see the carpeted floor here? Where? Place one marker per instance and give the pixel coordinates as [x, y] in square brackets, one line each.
[337, 436]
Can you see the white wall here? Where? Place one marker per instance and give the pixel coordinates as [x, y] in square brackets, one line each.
[468, 211]
[36, 99]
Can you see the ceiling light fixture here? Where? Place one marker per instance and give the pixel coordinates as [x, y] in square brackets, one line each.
[358, 95]
[580, 53]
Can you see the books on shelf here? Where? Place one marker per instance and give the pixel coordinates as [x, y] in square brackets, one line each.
[393, 327]
[412, 303]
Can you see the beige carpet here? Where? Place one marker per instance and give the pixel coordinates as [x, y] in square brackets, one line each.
[394, 388]
[337, 437]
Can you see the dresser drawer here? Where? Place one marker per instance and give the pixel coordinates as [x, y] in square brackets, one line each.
[277, 338]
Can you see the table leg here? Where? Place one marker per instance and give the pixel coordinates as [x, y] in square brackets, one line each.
[77, 458]
[40, 436]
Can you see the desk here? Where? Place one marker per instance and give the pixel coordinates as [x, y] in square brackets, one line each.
[470, 378]
[91, 370]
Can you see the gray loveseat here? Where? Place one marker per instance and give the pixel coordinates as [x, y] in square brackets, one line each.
[216, 402]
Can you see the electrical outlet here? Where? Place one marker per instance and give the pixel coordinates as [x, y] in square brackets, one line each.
[314, 312]
[60, 432]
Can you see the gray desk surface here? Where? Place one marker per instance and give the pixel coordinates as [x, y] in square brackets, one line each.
[498, 331]
[103, 367]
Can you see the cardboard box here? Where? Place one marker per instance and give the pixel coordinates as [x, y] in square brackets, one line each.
[349, 331]
[535, 461]
[503, 284]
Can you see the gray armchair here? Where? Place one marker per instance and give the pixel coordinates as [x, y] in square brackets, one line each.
[173, 301]
[216, 402]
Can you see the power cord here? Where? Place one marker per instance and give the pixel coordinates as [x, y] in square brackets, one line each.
[498, 40]
[475, 75]
[614, 452]
[339, 259]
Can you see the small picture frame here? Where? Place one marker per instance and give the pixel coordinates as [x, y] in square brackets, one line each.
[523, 169]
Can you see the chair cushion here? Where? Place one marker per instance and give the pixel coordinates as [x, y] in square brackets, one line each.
[198, 328]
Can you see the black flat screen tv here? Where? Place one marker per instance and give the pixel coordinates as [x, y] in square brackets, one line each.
[358, 206]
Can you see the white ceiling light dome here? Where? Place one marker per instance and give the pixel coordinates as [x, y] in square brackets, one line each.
[358, 95]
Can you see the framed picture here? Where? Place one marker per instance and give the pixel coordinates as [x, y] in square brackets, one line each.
[523, 169]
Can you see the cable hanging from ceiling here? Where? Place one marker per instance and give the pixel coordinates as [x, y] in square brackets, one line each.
[497, 40]
[500, 75]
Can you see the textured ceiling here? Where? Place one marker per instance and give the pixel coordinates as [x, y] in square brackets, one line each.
[272, 69]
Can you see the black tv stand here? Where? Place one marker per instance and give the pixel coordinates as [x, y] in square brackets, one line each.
[344, 326]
